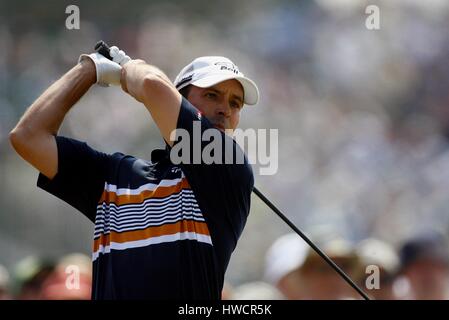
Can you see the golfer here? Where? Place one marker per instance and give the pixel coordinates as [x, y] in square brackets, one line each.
[162, 230]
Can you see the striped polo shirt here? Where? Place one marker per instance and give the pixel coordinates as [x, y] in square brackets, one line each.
[162, 231]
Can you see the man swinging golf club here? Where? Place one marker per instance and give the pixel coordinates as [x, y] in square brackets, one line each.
[162, 231]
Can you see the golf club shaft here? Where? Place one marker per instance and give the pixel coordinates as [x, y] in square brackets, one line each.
[311, 244]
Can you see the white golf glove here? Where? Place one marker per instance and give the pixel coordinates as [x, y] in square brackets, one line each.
[108, 72]
[118, 55]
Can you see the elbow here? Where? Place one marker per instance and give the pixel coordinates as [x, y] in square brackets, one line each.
[18, 139]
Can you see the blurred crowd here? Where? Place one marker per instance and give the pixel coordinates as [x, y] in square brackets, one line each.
[363, 120]
[417, 270]
[38, 278]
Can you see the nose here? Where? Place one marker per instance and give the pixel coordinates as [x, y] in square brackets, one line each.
[223, 109]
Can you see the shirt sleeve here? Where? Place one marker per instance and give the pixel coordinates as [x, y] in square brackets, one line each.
[80, 178]
[223, 190]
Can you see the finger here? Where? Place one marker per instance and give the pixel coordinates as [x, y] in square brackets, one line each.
[114, 51]
[125, 60]
[120, 57]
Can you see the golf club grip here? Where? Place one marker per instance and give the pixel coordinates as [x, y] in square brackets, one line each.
[102, 48]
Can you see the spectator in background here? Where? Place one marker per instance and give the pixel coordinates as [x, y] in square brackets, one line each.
[4, 284]
[322, 282]
[30, 273]
[282, 261]
[300, 273]
[384, 257]
[425, 268]
[70, 280]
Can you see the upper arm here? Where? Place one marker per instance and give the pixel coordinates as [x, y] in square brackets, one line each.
[163, 102]
[81, 175]
[38, 150]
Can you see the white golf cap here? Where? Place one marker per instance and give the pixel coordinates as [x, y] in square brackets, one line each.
[286, 254]
[205, 72]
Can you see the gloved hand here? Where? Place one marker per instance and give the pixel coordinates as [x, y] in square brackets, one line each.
[118, 56]
[108, 72]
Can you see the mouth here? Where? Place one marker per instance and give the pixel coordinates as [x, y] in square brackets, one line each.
[219, 127]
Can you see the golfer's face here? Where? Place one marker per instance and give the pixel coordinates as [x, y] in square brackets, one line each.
[221, 103]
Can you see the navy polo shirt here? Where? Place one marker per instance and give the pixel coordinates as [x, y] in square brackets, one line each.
[162, 231]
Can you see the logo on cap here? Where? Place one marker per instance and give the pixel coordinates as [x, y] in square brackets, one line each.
[228, 66]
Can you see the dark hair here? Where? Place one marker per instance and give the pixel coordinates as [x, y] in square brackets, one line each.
[185, 91]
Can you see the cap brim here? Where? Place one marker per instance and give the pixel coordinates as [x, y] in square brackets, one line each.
[250, 90]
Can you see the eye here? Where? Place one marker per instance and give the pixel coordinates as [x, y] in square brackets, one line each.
[236, 105]
[211, 95]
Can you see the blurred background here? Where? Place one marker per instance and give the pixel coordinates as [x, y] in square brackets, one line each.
[363, 120]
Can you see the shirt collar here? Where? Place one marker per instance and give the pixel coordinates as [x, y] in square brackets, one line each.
[159, 154]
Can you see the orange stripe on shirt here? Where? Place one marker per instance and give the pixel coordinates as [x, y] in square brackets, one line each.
[159, 192]
[150, 232]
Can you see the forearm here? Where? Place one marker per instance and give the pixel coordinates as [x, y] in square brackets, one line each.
[46, 114]
[135, 76]
[150, 86]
